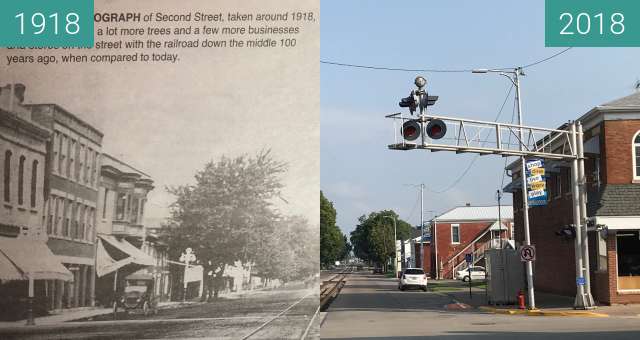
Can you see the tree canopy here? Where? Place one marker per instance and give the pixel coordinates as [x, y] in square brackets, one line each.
[333, 243]
[373, 238]
[227, 217]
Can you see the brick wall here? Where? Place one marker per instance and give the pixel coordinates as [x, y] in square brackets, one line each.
[617, 156]
[446, 249]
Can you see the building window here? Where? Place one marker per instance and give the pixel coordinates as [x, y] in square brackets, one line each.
[602, 252]
[628, 246]
[455, 234]
[636, 156]
[56, 154]
[120, 205]
[56, 217]
[134, 212]
[7, 176]
[21, 181]
[65, 225]
[34, 182]
[61, 154]
[558, 188]
[104, 203]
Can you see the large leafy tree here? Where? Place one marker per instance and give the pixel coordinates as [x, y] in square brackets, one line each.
[373, 239]
[225, 214]
[333, 243]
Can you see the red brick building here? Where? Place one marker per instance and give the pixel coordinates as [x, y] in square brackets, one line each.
[462, 230]
[612, 170]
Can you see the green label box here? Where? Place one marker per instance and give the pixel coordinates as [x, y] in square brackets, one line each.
[46, 23]
[592, 23]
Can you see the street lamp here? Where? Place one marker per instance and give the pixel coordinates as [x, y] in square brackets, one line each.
[513, 76]
[186, 257]
[395, 238]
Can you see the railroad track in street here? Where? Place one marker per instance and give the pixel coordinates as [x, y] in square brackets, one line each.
[294, 322]
[329, 289]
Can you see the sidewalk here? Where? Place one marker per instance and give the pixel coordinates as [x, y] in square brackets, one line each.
[61, 316]
[547, 305]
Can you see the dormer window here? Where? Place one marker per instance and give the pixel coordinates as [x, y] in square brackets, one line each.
[636, 156]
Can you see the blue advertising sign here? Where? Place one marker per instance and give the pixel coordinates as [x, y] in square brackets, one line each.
[536, 182]
[468, 257]
[581, 281]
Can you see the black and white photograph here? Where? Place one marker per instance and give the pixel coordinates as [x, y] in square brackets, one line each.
[164, 183]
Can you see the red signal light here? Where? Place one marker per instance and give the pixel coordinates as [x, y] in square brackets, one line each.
[436, 129]
[410, 130]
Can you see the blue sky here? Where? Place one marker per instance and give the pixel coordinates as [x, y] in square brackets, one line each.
[360, 175]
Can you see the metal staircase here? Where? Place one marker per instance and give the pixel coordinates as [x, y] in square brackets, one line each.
[476, 247]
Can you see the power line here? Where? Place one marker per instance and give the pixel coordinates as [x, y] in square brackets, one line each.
[405, 69]
[545, 59]
[383, 68]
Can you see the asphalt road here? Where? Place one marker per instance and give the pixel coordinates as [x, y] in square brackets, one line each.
[222, 319]
[372, 307]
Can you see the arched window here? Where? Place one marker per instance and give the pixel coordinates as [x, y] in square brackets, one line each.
[7, 176]
[34, 182]
[21, 181]
[636, 156]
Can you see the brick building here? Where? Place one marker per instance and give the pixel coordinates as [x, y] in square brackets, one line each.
[27, 266]
[122, 246]
[69, 214]
[462, 230]
[612, 170]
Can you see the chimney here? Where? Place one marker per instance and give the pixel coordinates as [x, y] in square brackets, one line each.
[18, 90]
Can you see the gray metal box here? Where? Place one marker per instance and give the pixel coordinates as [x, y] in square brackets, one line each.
[505, 276]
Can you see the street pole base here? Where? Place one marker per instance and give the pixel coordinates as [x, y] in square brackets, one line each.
[584, 302]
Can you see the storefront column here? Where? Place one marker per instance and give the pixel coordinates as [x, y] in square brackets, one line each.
[58, 294]
[92, 285]
[83, 287]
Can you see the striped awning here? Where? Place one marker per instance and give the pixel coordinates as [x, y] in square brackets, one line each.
[21, 259]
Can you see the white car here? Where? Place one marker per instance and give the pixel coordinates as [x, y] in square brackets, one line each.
[475, 273]
[413, 278]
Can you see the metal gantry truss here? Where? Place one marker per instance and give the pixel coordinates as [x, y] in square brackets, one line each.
[484, 138]
[493, 138]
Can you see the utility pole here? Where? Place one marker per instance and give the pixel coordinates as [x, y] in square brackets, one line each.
[499, 193]
[525, 202]
[422, 225]
[582, 181]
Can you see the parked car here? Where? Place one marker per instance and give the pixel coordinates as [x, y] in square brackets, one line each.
[473, 273]
[377, 270]
[138, 296]
[413, 278]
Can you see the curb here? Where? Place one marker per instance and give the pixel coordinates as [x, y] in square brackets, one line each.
[540, 312]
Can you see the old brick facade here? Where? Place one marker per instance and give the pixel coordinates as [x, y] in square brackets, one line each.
[613, 204]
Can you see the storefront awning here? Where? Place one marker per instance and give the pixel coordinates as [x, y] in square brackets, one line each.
[619, 222]
[105, 262]
[21, 259]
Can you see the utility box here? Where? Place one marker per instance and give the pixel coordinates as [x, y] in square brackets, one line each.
[505, 276]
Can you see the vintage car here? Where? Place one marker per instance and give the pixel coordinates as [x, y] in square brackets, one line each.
[138, 295]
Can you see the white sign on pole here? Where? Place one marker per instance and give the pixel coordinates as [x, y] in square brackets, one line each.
[527, 253]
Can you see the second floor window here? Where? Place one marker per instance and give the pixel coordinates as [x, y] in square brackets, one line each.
[120, 205]
[34, 182]
[455, 233]
[7, 176]
[21, 181]
[636, 156]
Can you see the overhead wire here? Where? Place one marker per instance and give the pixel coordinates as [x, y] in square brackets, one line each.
[435, 70]
[464, 173]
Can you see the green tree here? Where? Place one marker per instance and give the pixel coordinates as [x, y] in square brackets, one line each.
[333, 244]
[223, 216]
[373, 238]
